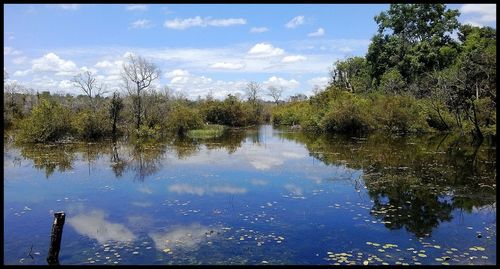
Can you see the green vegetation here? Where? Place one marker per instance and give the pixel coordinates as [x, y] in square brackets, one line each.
[415, 78]
[208, 131]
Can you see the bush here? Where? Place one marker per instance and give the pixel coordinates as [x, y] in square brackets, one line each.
[91, 126]
[47, 122]
[348, 114]
[400, 114]
[183, 118]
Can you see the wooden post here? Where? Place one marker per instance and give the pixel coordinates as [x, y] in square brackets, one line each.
[55, 238]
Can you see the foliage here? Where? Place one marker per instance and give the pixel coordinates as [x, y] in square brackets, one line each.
[182, 118]
[47, 122]
[208, 131]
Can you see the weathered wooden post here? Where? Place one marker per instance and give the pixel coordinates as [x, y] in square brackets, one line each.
[55, 238]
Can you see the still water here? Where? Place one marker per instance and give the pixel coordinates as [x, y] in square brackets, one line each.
[257, 196]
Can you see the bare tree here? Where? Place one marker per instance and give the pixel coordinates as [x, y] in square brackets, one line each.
[138, 74]
[275, 92]
[87, 82]
[253, 90]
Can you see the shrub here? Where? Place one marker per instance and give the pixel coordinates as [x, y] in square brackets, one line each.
[91, 126]
[47, 122]
[183, 118]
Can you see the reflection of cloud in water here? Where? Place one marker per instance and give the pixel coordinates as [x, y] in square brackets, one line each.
[294, 189]
[139, 221]
[141, 204]
[189, 189]
[96, 227]
[292, 155]
[185, 237]
[265, 162]
[145, 190]
[258, 182]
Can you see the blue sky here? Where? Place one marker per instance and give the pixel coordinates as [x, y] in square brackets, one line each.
[199, 48]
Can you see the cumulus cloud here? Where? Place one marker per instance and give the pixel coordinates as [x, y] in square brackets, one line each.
[136, 7]
[193, 86]
[182, 24]
[141, 24]
[320, 82]
[480, 13]
[293, 59]
[294, 189]
[22, 73]
[264, 50]
[228, 66]
[281, 82]
[95, 226]
[319, 32]
[259, 29]
[296, 21]
[50, 62]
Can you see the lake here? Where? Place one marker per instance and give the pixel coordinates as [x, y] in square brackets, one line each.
[255, 196]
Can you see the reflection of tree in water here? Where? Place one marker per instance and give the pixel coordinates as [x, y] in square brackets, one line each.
[415, 182]
[231, 140]
[118, 165]
[60, 157]
[146, 159]
[49, 157]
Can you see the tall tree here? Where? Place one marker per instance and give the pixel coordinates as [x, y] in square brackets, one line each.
[413, 38]
[275, 92]
[138, 74]
[87, 82]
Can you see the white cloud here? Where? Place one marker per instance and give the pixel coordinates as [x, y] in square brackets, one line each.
[141, 24]
[482, 13]
[293, 59]
[52, 63]
[281, 82]
[10, 51]
[319, 32]
[295, 22]
[177, 73]
[69, 6]
[193, 86]
[110, 67]
[320, 82]
[94, 225]
[136, 7]
[20, 60]
[264, 50]
[259, 29]
[23, 73]
[182, 24]
[228, 66]
[66, 85]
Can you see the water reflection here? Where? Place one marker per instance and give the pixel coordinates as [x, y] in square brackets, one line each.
[415, 182]
[95, 226]
[202, 190]
[186, 237]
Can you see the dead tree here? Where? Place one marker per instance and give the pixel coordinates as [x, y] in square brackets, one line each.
[275, 92]
[138, 74]
[87, 82]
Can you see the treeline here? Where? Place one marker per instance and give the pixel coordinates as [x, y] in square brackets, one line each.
[416, 77]
[49, 117]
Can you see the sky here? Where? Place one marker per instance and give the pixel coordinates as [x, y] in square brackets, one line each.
[200, 49]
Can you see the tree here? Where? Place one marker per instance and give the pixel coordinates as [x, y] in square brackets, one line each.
[87, 82]
[413, 38]
[351, 74]
[392, 82]
[115, 107]
[253, 90]
[138, 74]
[275, 92]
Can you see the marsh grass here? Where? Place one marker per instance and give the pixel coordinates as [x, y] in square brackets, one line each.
[208, 131]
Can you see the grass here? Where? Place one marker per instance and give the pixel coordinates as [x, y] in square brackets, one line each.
[209, 131]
